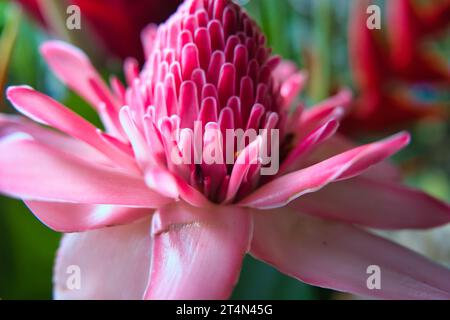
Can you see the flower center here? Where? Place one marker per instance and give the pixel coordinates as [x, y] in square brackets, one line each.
[208, 69]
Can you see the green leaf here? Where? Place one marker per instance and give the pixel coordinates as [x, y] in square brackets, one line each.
[27, 251]
[260, 281]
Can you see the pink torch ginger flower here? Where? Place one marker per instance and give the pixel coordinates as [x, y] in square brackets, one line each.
[140, 225]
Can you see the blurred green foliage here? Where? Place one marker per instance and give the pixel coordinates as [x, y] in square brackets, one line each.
[296, 29]
[27, 250]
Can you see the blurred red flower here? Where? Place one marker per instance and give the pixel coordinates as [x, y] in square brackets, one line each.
[118, 23]
[387, 63]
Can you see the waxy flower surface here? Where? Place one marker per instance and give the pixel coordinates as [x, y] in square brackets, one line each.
[141, 225]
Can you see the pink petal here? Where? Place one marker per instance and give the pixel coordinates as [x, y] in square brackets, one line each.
[197, 253]
[141, 150]
[342, 99]
[44, 109]
[334, 107]
[131, 70]
[243, 163]
[337, 256]
[305, 147]
[75, 70]
[284, 70]
[71, 217]
[17, 124]
[292, 87]
[162, 180]
[113, 263]
[189, 108]
[191, 195]
[34, 171]
[148, 36]
[339, 144]
[375, 203]
[343, 166]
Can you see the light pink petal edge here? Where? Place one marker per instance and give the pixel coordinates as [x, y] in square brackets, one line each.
[33, 171]
[342, 257]
[375, 203]
[74, 217]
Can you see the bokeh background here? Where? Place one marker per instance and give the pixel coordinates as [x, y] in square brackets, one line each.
[312, 33]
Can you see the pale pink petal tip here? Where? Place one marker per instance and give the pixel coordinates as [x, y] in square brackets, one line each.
[53, 48]
[73, 68]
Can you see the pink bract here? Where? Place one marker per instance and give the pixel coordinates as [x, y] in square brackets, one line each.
[140, 226]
